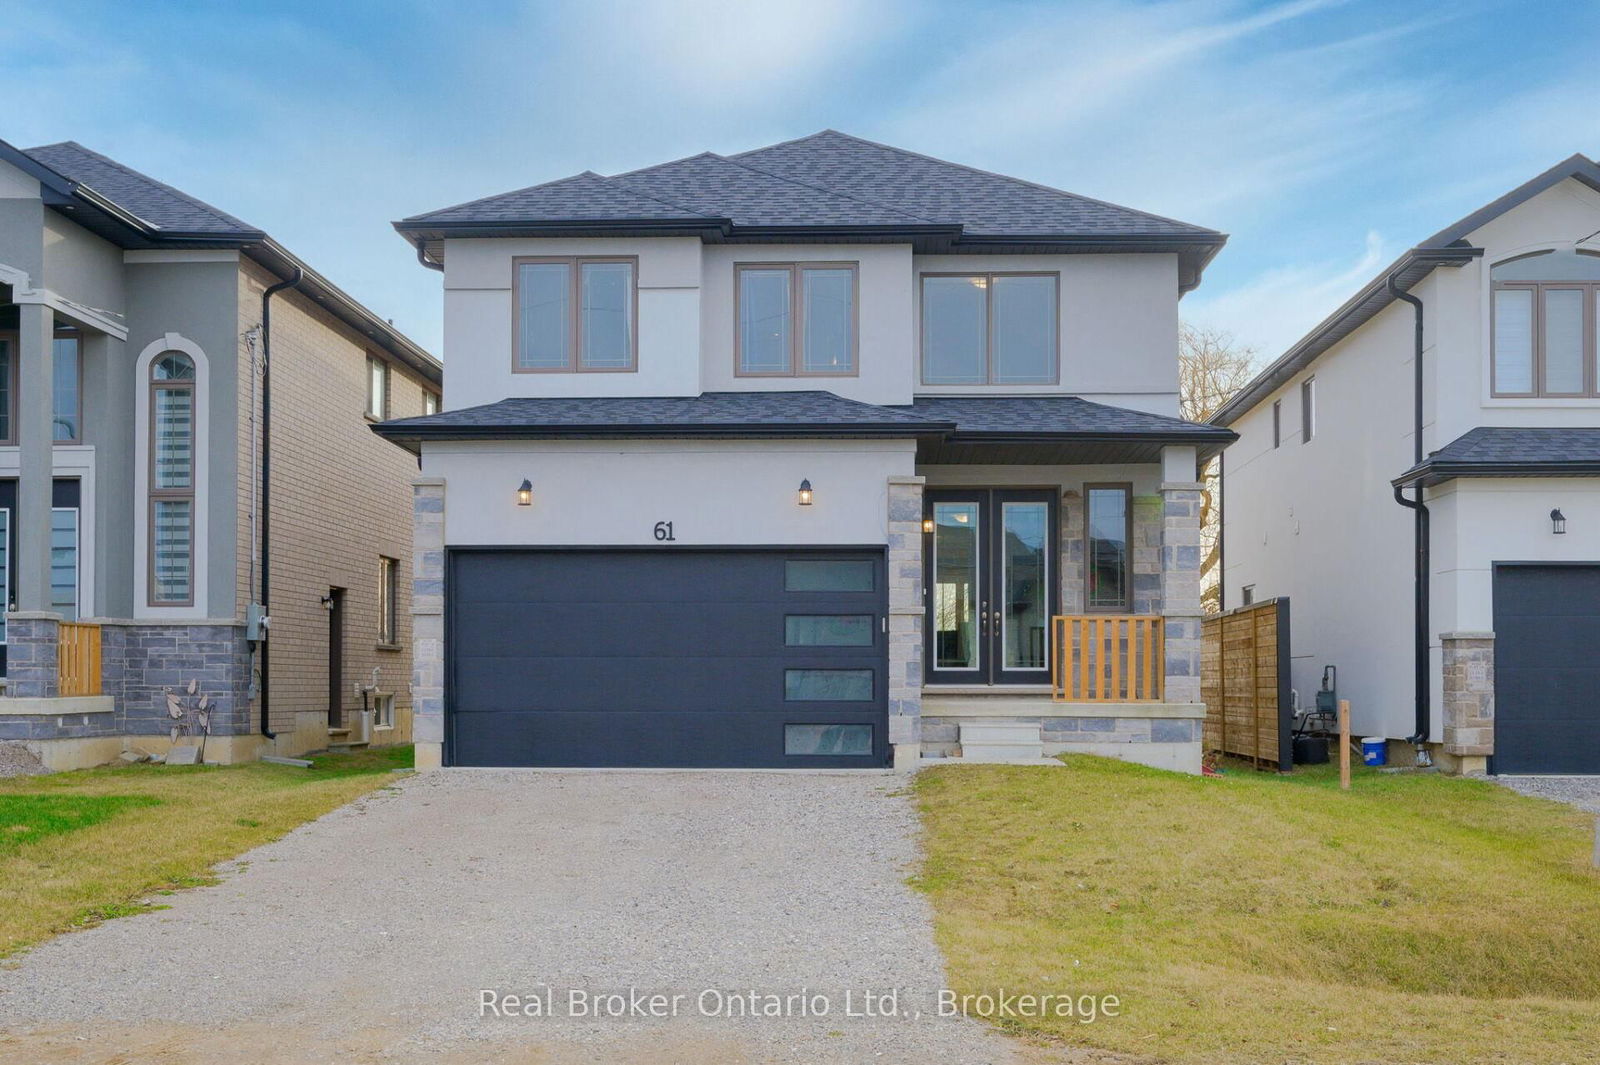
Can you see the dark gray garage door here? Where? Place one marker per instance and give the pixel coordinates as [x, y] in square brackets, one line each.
[672, 657]
[1547, 669]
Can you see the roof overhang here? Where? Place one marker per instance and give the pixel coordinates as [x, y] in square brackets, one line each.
[1194, 253]
[1430, 474]
[1357, 311]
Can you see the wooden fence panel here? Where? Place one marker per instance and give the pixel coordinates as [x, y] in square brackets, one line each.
[1244, 682]
[78, 659]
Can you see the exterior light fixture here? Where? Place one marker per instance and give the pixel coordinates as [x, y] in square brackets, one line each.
[1558, 522]
[525, 493]
[805, 493]
[927, 525]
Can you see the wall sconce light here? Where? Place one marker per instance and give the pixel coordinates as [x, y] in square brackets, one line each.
[927, 525]
[525, 493]
[805, 493]
[1558, 522]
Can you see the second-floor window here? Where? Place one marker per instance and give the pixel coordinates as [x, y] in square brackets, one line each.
[990, 329]
[430, 403]
[388, 600]
[795, 319]
[575, 313]
[377, 388]
[1544, 325]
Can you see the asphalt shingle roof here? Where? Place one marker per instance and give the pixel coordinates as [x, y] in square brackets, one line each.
[826, 179]
[710, 411]
[1054, 416]
[160, 205]
[1506, 451]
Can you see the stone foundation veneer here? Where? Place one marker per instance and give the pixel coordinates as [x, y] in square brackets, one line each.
[1180, 589]
[1468, 661]
[905, 620]
[427, 621]
[32, 645]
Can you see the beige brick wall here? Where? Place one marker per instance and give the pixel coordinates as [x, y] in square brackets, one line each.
[341, 497]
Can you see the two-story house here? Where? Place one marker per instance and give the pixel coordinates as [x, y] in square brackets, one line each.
[183, 433]
[822, 454]
[1418, 475]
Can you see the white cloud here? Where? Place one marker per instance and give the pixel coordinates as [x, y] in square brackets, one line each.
[1280, 305]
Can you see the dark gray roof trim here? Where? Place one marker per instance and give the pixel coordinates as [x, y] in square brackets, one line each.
[134, 210]
[1447, 247]
[987, 419]
[1505, 451]
[825, 187]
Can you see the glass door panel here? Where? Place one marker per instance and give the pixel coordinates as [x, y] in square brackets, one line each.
[956, 606]
[990, 573]
[1024, 599]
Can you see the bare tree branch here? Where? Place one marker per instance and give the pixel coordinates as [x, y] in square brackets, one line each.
[1212, 366]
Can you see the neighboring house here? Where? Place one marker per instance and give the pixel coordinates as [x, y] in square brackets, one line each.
[1507, 549]
[789, 458]
[132, 456]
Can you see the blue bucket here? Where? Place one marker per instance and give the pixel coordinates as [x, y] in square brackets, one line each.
[1375, 751]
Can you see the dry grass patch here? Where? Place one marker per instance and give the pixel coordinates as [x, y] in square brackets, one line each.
[99, 842]
[1265, 918]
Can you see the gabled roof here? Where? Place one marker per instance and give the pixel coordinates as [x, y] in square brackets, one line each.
[134, 210]
[825, 187]
[1504, 451]
[1448, 247]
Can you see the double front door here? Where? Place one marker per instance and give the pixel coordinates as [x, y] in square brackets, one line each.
[991, 576]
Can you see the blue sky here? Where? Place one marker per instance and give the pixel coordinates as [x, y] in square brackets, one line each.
[1324, 136]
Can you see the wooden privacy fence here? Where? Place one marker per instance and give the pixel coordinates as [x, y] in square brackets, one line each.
[1107, 658]
[78, 658]
[1244, 682]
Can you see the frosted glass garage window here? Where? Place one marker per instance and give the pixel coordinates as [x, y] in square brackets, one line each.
[827, 685]
[827, 739]
[828, 575]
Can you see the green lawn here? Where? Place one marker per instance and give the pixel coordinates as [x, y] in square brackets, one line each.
[76, 848]
[1265, 918]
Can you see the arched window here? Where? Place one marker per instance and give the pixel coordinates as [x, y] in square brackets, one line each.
[172, 479]
[1545, 325]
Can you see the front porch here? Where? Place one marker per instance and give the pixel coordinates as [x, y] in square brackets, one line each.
[1037, 609]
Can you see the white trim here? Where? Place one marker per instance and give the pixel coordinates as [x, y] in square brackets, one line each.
[142, 607]
[69, 462]
[23, 292]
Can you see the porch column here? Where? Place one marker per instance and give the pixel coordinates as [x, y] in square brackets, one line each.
[905, 620]
[427, 621]
[1180, 587]
[36, 444]
[1468, 700]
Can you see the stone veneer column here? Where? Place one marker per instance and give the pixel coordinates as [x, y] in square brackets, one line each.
[1071, 567]
[905, 620]
[1180, 588]
[1468, 699]
[32, 655]
[1149, 529]
[427, 621]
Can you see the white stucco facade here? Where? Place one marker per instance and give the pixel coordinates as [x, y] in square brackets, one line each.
[1318, 522]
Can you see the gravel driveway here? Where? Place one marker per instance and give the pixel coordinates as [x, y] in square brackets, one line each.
[1582, 792]
[369, 935]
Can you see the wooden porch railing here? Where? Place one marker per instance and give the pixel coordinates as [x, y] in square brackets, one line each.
[78, 658]
[1107, 658]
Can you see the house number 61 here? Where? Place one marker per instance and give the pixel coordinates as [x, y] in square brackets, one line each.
[663, 531]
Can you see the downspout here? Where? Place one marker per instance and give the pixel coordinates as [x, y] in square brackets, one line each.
[266, 490]
[1222, 529]
[1420, 651]
[422, 257]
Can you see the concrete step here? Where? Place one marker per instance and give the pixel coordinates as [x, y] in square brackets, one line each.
[999, 732]
[1001, 752]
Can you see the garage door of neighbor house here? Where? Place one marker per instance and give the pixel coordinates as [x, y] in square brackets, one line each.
[1547, 669]
[671, 657]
